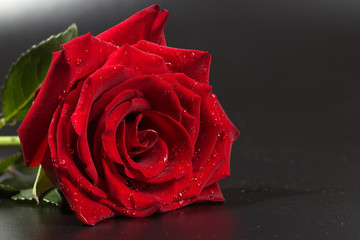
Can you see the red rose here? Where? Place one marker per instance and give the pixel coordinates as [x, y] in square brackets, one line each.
[125, 125]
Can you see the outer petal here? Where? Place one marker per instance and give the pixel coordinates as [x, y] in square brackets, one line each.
[79, 58]
[193, 63]
[147, 24]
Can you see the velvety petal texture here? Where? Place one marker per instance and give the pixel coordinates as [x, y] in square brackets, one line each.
[125, 125]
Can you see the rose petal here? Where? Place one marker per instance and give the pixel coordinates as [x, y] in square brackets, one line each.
[193, 63]
[101, 81]
[86, 209]
[226, 137]
[61, 76]
[181, 147]
[147, 24]
[138, 141]
[138, 60]
[65, 160]
[211, 193]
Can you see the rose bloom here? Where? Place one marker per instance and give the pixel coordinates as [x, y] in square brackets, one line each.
[125, 125]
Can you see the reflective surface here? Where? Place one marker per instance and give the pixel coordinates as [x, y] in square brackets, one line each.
[287, 74]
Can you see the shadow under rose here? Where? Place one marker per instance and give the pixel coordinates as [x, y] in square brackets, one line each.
[209, 221]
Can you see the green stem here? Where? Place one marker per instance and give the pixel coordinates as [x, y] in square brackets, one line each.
[9, 141]
[2, 122]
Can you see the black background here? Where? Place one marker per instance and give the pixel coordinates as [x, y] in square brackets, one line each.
[286, 73]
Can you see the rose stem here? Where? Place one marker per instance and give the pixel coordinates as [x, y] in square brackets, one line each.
[9, 141]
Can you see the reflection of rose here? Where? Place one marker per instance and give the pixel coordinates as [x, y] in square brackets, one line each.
[132, 126]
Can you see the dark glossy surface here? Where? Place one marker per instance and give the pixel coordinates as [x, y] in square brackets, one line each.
[286, 72]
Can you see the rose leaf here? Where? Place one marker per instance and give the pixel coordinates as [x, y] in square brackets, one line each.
[7, 191]
[51, 197]
[5, 163]
[14, 175]
[27, 74]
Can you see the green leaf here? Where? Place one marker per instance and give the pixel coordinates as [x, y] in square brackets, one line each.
[8, 191]
[14, 173]
[52, 197]
[4, 164]
[42, 184]
[25, 194]
[27, 74]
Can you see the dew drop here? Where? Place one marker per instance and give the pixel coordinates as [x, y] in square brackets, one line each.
[73, 208]
[168, 64]
[68, 60]
[177, 54]
[86, 51]
[214, 155]
[181, 202]
[192, 54]
[78, 179]
[100, 51]
[204, 70]
[181, 194]
[212, 106]
[78, 61]
[62, 162]
[224, 137]
[114, 68]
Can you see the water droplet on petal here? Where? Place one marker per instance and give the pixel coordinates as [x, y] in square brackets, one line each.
[177, 54]
[181, 202]
[73, 208]
[214, 155]
[192, 54]
[204, 70]
[68, 60]
[86, 51]
[168, 64]
[62, 162]
[78, 61]
[100, 51]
